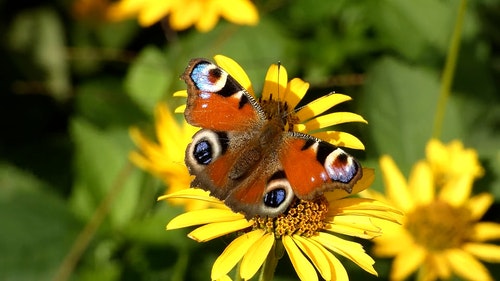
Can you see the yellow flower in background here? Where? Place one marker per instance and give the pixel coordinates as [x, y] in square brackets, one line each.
[452, 160]
[182, 14]
[165, 158]
[307, 232]
[441, 234]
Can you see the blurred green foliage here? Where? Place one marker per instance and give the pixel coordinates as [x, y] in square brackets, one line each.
[73, 84]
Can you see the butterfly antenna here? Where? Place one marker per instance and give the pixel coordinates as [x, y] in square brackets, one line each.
[314, 101]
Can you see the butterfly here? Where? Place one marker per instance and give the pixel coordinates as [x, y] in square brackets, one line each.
[246, 157]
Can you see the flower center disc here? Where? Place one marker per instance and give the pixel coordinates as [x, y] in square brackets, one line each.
[439, 226]
[303, 218]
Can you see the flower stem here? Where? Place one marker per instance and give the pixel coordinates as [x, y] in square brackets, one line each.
[85, 236]
[449, 70]
[276, 253]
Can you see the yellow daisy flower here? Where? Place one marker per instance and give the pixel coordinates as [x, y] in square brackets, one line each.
[306, 231]
[165, 159]
[203, 14]
[452, 160]
[441, 233]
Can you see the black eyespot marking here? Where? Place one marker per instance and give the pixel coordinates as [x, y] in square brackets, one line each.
[342, 158]
[215, 74]
[275, 197]
[202, 152]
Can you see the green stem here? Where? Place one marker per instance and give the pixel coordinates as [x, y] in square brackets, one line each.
[276, 253]
[82, 241]
[449, 70]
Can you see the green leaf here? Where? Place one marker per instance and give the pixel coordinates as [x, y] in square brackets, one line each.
[102, 102]
[37, 227]
[400, 104]
[101, 163]
[149, 78]
[415, 27]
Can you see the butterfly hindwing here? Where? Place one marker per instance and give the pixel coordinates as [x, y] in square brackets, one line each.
[313, 166]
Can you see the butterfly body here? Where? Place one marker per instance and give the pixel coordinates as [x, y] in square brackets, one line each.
[246, 157]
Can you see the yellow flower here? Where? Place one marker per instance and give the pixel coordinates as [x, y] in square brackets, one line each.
[452, 161]
[306, 232]
[165, 159]
[441, 233]
[203, 14]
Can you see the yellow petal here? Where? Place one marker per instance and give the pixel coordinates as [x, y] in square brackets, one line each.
[436, 266]
[479, 204]
[485, 252]
[181, 94]
[192, 193]
[183, 17]
[154, 12]
[407, 262]
[362, 184]
[203, 216]
[236, 71]
[166, 127]
[365, 207]
[210, 17]
[256, 256]
[484, 231]
[457, 191]
[234, 252]
[351, 250]
[331, 119]
[314, 253]
[336, 267]
[180, 109]
[421, 183]
[218, 229]
[302, 266]
[275, 83]
[358, 226]
[466, 266]
[295, 91]
[320, 105]
[123, 9]
[338, 138]
[395, 184]
[240, 12]
[385, 245]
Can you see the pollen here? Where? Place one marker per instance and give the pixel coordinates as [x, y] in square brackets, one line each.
[304, 218]
[440, 226]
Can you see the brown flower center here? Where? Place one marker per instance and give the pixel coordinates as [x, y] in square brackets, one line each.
[304, 218]
[276, 110]
[439, 226]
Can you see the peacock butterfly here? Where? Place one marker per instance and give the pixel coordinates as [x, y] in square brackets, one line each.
[246, 157]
